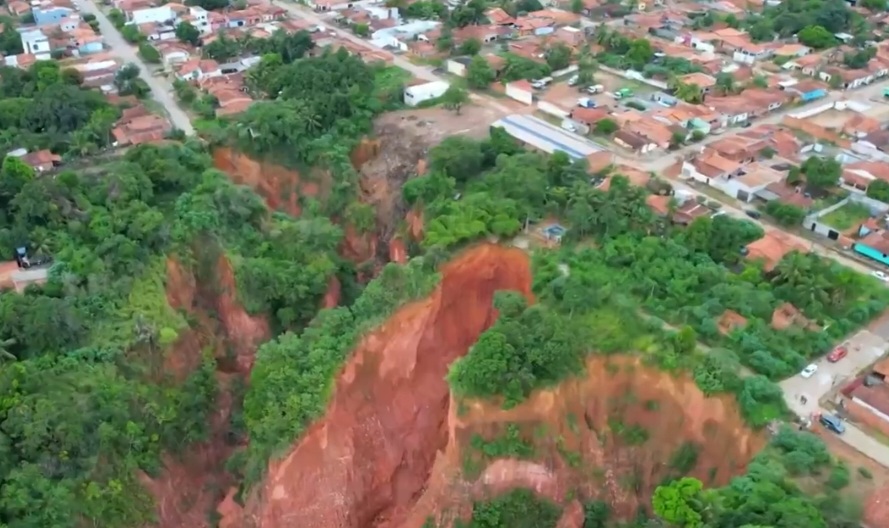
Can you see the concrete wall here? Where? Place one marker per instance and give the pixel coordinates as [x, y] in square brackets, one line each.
[552, 109]
[520, 95]
[861, 412]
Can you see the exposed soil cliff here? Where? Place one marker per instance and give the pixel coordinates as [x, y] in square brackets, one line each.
[392, 446]
[583, 447]
[189, 485]
[367, 461]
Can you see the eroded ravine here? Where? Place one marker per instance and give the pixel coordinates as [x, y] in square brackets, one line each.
[389, 451]
[366, 462]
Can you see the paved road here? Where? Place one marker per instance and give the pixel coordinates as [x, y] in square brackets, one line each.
[864, 348]
[161, 91]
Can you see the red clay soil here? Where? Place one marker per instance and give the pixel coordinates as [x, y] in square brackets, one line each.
[189, 485]
[578, 417]
[367, 461]
[279, 186]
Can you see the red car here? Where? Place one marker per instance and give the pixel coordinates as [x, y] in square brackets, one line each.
[837, 354]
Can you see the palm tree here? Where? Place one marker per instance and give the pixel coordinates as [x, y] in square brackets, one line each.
[5, 354]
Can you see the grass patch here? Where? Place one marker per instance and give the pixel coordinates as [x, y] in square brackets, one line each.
[847, 216]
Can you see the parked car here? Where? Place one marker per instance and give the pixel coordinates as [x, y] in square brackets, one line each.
[837, 354]
[586, 102]
[809, 371]
[594, 89]
[880, 276]
[832, 422]
[573, 80]
[569, 127]
[753, 213]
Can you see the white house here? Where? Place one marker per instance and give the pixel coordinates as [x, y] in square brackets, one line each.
[736, 180]
[34, 41]
[200, 19]
[154, 15]
[415, 95]
[397, 37]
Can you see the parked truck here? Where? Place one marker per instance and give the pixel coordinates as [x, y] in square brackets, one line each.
[622, 93]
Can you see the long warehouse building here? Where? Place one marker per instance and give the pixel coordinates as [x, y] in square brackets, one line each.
[541, 135]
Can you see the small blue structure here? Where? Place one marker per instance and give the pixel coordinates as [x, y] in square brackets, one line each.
[50, 15]
[554, 232]
[811, 95]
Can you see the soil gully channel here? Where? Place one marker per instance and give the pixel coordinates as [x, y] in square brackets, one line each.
[366, 462]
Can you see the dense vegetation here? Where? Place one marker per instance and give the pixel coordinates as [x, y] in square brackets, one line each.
[45, 107]
[688, 277]
[293, 375]
[85, 402]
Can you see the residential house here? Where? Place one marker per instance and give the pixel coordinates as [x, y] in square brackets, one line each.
[18, 8]
[85, 41]
[571, 36]
[173, 53]
[336, 5]
[588, 116]
[137, 127]
[635, 142]
[499, 17]
[738, 148]
[198, 69]
[848, 79]
[808, 90]
[47, 13]
[808, 64]
[689, 211]
[787, 194]
[794, 50]
[878, 140]
[484, 34]
[42, 160]
[860, 175]
[774, 246]
[35, 42]
[22, 61]
[875, 245]
[530, 25]
[701, 80]
[152, 15]
[868, 403]
[397, 37]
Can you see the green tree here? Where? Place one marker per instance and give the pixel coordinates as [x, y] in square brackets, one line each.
[558, 56]
[785, 214]
[470, 46]
[822, 172]
[640, 53]
[187, 33]
[586, 67]
[454, 98]
[817, 37]
[725, 82]
[131, 34]
[479, 74]
[361, 29]
[878, 190]
[605, 127]
[457, 157]
[874, 5]
[149, 53]
[577, 6]
[679, 503]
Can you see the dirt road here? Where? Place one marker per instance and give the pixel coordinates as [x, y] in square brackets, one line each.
[161, 90]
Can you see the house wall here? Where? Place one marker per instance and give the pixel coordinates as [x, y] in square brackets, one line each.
[152, 14]
[35, 44]
[870, 253]
[520, 95]
[815, 130]
[864, 413]
[552, 109]
[50, 16]
[424, 92]
[739, 190]
[457, 68]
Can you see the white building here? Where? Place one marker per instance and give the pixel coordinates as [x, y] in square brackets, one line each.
[34, 41]
[521, 91]
[415, 95]
[153, 15]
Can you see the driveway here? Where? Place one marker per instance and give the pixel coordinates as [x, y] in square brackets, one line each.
[161, 90]
[865, 347]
